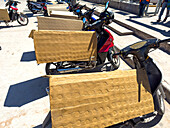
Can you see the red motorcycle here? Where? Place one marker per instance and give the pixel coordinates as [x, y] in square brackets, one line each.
[14, 15]
[105, 50]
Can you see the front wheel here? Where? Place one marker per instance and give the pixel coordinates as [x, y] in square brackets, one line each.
[159, 102]
[22, 19]
[51, 68]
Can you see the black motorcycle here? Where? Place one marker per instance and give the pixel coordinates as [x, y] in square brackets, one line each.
[36, 7]
[105, 50]
[149, 73]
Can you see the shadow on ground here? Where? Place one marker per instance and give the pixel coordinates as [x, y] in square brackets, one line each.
[39, 126]
[28, 56]
[163, 32]
[166, 24]
[122, 13]
[10, 26]
[26, 92]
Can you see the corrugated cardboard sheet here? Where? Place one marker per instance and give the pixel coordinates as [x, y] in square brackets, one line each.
[63, 14]
[57, 7]
[97, 99]
[4, 15]
[57, 46]
[49, 23]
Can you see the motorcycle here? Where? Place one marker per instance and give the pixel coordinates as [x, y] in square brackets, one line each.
[14, 15]
[71, 7]
[36, 7]
[147, 69]
[105, 49]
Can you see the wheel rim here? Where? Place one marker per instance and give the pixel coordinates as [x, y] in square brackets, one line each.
[22, 19]
[116, 60]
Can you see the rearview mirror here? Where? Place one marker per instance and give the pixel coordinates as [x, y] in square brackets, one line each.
[107, 5]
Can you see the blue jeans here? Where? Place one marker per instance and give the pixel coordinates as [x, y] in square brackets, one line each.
[162, 10]
[141, 8]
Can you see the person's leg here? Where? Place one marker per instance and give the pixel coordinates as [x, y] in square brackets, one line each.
[141, 6]
[167, 14]
[143, 9]
[162, 10]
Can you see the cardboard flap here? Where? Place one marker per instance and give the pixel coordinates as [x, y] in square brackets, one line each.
[31, 35]
[57, 46]
[61, 14]
[49, 23]
[57, 7]
[97, 99]
[4, 15]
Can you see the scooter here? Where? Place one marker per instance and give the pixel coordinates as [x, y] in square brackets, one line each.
[36, 7]
[71, 7]
[105, 49]
[147, 69]
[148, 73]
[14, 15]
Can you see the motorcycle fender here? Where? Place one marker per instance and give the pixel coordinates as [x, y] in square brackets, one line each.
[108, 44]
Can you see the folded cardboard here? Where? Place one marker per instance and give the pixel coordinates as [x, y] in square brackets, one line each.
[57, 46]
[63, 14]
[49, 23]
[57, 7]
[4, 16]
[93, 100]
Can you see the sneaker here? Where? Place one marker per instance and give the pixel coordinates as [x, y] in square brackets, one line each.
[158, 20]
[164, 20]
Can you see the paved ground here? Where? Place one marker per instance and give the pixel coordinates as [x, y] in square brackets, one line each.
[23, 100]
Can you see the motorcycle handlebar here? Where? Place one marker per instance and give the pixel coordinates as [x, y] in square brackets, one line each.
[158, 42]
[164, 41]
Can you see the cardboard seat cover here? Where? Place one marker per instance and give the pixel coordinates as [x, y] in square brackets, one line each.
[49, 23]
[57, 46]
[62, 14]
[57, 7]
[4, 15]
[97, 99]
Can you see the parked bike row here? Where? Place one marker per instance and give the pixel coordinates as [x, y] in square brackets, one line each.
[107, 53]
[137, 52]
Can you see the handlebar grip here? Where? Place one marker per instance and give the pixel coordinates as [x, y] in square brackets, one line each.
[164, 41]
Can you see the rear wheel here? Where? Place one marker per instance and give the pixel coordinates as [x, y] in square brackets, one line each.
[22, 19]
[115, 61]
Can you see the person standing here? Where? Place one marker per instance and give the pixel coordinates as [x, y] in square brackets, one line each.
[164, 5]
[142, 5]
[168, 11]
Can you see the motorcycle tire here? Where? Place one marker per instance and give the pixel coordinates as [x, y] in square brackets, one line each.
[34, 12]
[159, 102]
[115, 61]
[30, 7]
[22, 19]
[51, 69]
[45, 13]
